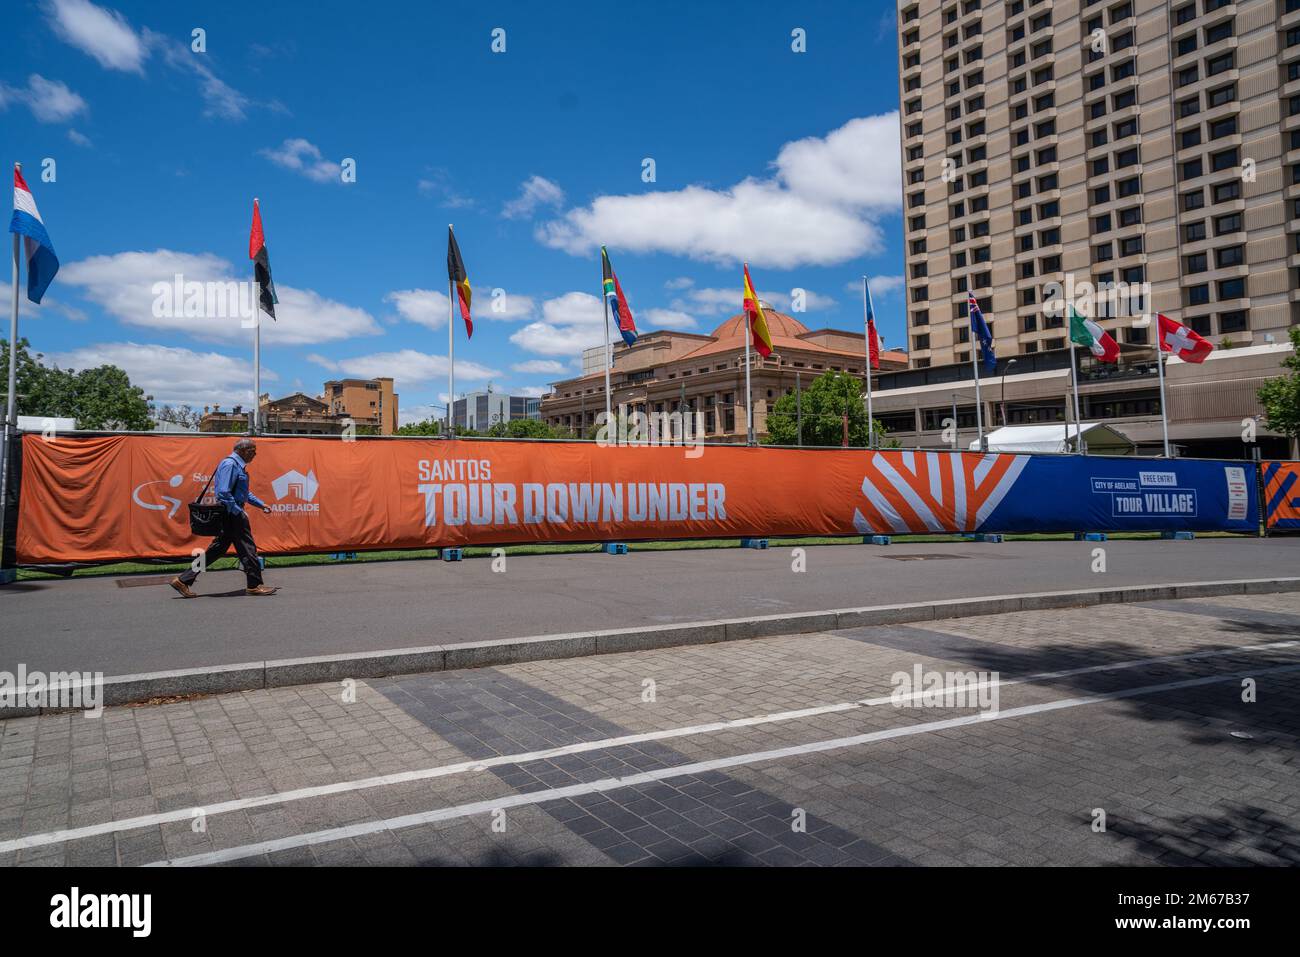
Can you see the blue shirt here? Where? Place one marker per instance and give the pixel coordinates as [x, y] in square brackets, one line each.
[231, 484]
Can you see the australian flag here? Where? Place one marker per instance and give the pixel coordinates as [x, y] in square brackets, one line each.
[979, 332]
[42, 263]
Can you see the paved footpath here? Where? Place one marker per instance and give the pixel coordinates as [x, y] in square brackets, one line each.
[107, 624]
[783, 750]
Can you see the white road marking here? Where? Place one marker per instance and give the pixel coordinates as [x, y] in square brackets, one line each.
[699, 767]
[465, 767]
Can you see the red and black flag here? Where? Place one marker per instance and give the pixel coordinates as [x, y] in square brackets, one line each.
[457, 276]
[261, 264]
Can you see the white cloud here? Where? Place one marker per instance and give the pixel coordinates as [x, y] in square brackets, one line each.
[406, 415]
[550, 340]
[104, 34]
[222, 99]
[540, 367]
[321, 360]
[428, 307]
[425, 307]
[534, 192]
[411, 369]
[574, 308]
[79, 139]
[666, 319]
[880, 285]
[172, 375]
[819, 208]
[49, 100]
[48, 305]
[107, 36]
[727, 301]
[123, 285]
[437, 185]
[531, 391]
[576, 320]
[857, 165]
[302, 157]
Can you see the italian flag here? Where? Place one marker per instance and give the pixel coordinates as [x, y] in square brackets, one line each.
[1086, 333]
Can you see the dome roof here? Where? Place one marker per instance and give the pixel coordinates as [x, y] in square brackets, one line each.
[778, 324]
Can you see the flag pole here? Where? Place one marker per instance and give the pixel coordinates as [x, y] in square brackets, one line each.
[1160, 371]
[1074, 382]
[11, 398]
[749, 396]
[257, 348]
[451, 356]
[609, 412]
[979, 410]
[867, 311]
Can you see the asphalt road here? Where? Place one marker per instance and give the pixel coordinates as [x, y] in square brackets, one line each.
[792, 750]
[96, 624]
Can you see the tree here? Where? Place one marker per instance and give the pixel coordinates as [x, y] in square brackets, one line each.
[432, 427]
[824, 403]
[183, 415]
[526, 429]
[99, 398]
[1281, 396]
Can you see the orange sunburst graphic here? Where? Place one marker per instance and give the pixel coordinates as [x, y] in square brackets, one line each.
[933, 491]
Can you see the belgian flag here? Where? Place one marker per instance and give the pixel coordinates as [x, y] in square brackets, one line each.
[261, 264]
[457, 276]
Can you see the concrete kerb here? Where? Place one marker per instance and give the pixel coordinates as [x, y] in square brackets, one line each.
[254, 676]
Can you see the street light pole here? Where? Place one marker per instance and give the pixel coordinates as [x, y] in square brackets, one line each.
[1002, 401]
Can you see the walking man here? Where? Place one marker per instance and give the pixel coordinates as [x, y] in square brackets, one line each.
[231, 484]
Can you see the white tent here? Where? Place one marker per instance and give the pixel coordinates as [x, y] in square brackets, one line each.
[39, 423]
[1056, 438]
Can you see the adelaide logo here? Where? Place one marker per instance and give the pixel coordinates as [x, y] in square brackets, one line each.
[299, 489]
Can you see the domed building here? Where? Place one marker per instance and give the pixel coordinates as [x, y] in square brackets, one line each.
[667, 371]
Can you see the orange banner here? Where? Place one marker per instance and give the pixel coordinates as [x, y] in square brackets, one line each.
[101, 499]
[1281, 498]
[94, 499]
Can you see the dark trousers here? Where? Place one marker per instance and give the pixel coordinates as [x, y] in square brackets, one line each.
[237, 532]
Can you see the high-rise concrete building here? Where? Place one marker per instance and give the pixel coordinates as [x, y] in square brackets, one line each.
[1101, 142]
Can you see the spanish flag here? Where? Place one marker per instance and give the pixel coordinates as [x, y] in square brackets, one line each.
[757, 321]
[457, 276]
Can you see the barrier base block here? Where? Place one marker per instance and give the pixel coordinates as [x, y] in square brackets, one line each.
[451, 555]
[343, 556]
[8, 576]
[753, 543]
[1178, 536]
[875, 539]
[984, 537]
[614, 548]
[1089, 536]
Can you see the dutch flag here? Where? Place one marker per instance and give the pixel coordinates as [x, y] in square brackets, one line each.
[42, 263]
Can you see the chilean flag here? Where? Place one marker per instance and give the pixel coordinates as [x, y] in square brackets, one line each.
[873, 341]
[42, 263]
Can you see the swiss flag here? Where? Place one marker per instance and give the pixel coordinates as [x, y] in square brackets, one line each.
[1182, 341]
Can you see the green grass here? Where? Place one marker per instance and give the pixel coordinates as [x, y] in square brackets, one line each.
[429, 554]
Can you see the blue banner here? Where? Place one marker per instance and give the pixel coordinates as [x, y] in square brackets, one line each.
[1097, 493]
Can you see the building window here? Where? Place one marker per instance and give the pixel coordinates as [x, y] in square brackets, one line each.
[1232, 288]
[1234, 321]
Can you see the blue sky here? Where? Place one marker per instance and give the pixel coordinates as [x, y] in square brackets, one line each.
[789, 160]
